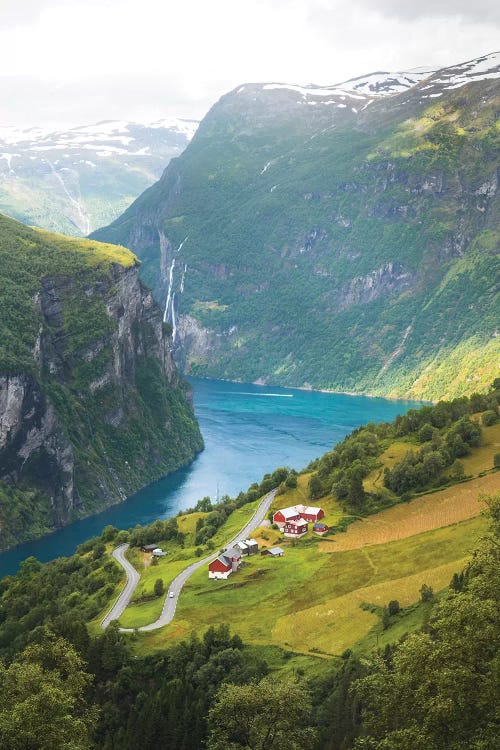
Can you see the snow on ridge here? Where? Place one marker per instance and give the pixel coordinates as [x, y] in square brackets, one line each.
[486, 67]
[104, 133]
[186, 127]
[386, 83]
[307, 91]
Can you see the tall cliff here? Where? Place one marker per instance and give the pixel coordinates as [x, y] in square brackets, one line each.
[91, 404]
[343, 237]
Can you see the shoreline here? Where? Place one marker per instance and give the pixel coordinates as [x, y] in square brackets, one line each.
[307, 389]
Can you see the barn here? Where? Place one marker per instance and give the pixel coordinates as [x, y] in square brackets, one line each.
[286, 514]
[225, 564]
[311, 514]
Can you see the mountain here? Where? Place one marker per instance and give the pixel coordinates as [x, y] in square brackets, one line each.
[341, 237]
[76, 180]
[91, 405]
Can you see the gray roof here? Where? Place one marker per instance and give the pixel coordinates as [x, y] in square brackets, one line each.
[233, 552]
[251, 542]
[224, 560]
[276, 551]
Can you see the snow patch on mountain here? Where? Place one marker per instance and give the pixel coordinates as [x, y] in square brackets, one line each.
[384, 83]
[482, 68]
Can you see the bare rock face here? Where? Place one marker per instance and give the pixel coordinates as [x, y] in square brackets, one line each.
[389, 279]
[195, 342]
[33, 446]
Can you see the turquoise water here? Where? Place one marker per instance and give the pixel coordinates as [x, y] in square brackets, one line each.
[248, 431]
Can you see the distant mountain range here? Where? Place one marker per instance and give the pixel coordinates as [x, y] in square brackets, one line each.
[341, 237]
[75, 180]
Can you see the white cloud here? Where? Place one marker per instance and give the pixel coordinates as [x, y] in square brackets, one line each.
[95, 59]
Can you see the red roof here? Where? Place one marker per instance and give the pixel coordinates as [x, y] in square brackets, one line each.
[220, 565]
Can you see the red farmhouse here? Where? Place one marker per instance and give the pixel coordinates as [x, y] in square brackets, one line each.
[295, 529]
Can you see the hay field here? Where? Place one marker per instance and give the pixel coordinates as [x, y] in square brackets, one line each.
[338, 623]
[443, 508]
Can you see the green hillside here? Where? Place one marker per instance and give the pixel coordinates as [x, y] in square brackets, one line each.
[91, 405]
[335, 248]
[399, 598]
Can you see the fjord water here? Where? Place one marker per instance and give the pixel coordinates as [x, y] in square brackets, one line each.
[248, 430]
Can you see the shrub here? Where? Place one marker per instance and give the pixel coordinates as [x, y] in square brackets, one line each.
[489, 417]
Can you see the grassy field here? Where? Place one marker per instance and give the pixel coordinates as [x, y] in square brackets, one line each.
[481, 459]
[396, 452]
[425, 513]
[269, 601]
[145, 607]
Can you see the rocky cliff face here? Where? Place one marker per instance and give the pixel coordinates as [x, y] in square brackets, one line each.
[33, 445]
[96, 408]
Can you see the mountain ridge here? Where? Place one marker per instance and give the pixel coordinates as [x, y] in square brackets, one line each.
[351, 248]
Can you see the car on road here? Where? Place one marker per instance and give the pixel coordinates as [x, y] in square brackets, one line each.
[171, 594]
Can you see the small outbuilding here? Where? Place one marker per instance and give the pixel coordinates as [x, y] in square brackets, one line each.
[149, 547]
[320, 528]
[273, 551]
[243, 547]
[252, 545]
[158, 552]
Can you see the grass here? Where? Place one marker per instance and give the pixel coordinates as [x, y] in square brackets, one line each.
[269, 602]
[425, 513]
[481, 459]
[389, 458]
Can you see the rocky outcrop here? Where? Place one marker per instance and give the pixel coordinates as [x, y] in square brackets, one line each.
[33, 446]
[195, 344]
[392, 278]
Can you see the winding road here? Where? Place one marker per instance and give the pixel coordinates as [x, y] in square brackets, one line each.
[170, 603]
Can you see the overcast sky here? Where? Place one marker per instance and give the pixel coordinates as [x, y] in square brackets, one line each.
[79, 61]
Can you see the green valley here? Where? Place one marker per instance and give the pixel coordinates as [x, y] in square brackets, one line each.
[330, 617]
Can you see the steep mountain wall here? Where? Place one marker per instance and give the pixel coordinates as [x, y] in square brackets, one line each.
[91, 404]
[337, 238]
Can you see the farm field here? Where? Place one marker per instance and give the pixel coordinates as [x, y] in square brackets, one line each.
[309, 602]
[442, 508]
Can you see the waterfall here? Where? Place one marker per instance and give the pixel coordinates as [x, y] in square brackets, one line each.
[169, 292]
[169, 311]
[174, 324]
[182, 278]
